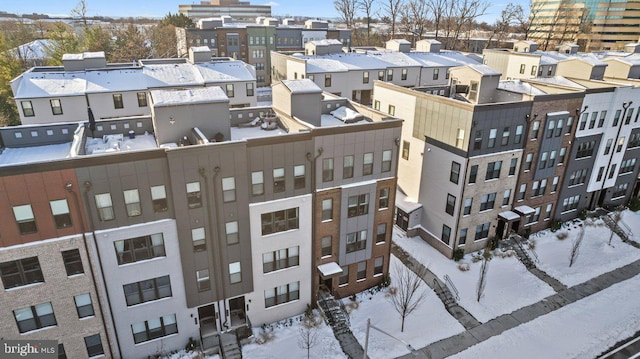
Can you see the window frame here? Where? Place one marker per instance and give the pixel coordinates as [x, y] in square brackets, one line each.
[72, 262]
[118, 102]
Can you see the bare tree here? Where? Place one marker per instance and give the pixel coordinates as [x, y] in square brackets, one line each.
[80, 11]
[347, 10]
[508, 17]
[616, 216]
[482, 280]
[414, 17]
[367, 7]
[438, 11]
[575, 247]
[463, 14]
[308, 332]
[526, 21]
[409, 291]
[391, 9]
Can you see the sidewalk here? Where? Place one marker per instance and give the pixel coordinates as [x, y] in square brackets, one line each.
[457, 343]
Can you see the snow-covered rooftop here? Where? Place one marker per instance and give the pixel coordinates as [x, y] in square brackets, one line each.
[407, 204]
[119, 143]
[484, 69]
[192, 96]
[36, 49]
[325, 42]
[128, 79]
[47, 84]
[301, 86]
[225, 71]
[172, 75]
[519, 87]
[46, 153]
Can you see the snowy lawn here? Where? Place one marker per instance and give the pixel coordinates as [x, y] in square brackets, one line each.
[595, 255]
[285, 342]
[582, 329]
[183, 354]
[429, 323]
[507, 280]
[632, 220]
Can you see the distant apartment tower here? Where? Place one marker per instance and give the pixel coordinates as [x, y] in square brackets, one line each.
[241, 10]
[556, 22]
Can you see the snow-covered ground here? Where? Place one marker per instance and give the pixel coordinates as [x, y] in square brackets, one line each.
[595, 255]
[507, 282]
[285, 343]
[429, 323]
[582, 329]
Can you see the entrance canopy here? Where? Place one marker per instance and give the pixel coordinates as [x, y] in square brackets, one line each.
[524, 210]
[509, 216]
[329, 270]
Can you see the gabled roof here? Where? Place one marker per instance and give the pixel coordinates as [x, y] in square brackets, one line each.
[163, 98]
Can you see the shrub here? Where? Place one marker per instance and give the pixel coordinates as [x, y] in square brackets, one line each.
[386, 281]
[562, 235]
[458, 254]
[555, 225]
[634, 204]
[463, 267]
[583, 214]
[476, 258]
[493, 242]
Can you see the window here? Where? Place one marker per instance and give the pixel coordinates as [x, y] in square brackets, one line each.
[468, 202]
[585, 149]
[493, 170]
[634, 140]
[551, 125]
[627, 166]
[534, 70]
[405, 150]
[159, 199]
[281, 294]
[462, 239]
[454, 176]
[492, 138]
[132, 202]
[365, 77]
[194, 199]
[607, 148]
[25, 219]
[583, 121]
[600, 173]
[389, 74]
[202, 277]
[571, 203]
[229, 189]
[362, 271]
[142, 99]
[235, 272]
[35, 317]
[376, 105]
[327, 80]
[358, 205]
[488, 201]
[578, 177]
[356, 241]
[327, 209]
[543, 186]
[512, 166]
[140, 248]
[367, 164]
[154, 328]
[506, 197]
[249, 89]
[612, 171]
[280, 221]
[459, 138]
[620, 144]
[280, 259]
[27, 108]
[627, 118]
[257, 183]
[451, 204]
[21, 272]
[523, 190]
[620, 190]
[518, 136]
[327, 246]
[117, 101]
[83, 305]
[543, 160]
[473, 90]
[536, 216]
[299, 180]
[563, 152]
[104, 206]
[383, 199]
[378, 264]
[403, 76]
[230, 90]
[347, 167]
[147, 290]
[473, 173]
[522, 68]
[554, 184]
[199, 239]
[603, 114]
[381, 75]
[93, 343]
[547, 213]
[527, 162]
[56, 107]
[570, 125]
[616, 118]
[535, 128]
[386, 160]
[72, 262]
[231, 231]
[505, 136]
[327, 169]
[482, 231]
[552, 159]
[446, 234]
[436, 74]
[477, 141]
[381, 233]
[392, 110]
[594, 117]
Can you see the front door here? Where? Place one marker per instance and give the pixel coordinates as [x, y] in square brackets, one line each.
[500, 229]
[209, 325]
[237, 314]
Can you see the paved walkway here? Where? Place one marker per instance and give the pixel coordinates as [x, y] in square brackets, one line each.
[457, 343]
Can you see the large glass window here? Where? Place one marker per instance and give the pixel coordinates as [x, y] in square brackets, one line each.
[280, 259]
[493, 170]
[280, 221]
[35, 317]
[21, 272]
[140, 248]
[281, 294]
[154, 328]
[358, 205]
[356, 241]
[147, 290]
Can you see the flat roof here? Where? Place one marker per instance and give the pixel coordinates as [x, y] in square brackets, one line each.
[195, 95]
[302, 86]
[119, 143]
[34, 154]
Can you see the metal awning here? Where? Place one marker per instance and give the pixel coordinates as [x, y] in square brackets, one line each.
[509, 216]
[329, 270]
[524, 210]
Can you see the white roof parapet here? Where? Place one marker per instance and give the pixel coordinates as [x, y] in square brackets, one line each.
[163, 98]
